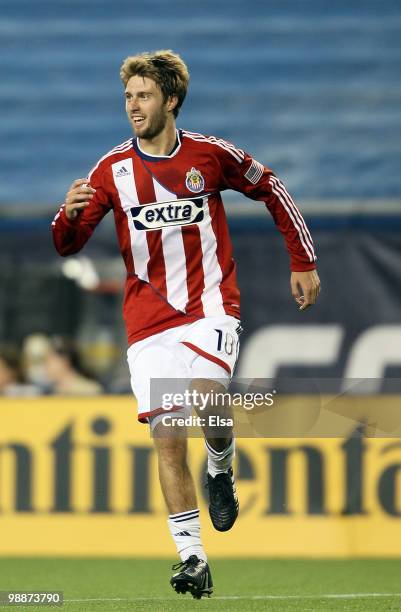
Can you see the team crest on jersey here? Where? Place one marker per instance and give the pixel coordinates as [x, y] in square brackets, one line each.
[195, 181]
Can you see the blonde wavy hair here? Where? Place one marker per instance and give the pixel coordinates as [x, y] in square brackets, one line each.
[165, 67]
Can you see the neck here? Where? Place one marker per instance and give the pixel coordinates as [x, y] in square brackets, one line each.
[161, 144]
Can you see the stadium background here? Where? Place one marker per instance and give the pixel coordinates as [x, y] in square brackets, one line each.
[311, 89]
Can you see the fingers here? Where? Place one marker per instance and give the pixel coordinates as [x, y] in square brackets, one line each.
[310, 291]
[298, 294]
[81, 185]
[295, 290]
[315, 285]
[78, 182]
[78, 197]
[73, 210]
[305, 288]
[80, 191]
[80, 206]
[305, 303]
[308, 298]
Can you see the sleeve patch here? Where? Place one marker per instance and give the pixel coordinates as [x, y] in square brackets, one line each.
[254, 172]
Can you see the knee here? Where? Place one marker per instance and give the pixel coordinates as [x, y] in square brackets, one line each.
[211, 396]
[207, 387]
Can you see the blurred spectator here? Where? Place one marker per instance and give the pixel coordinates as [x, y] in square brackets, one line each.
[11, 377]
[34, 353]
[64, 370]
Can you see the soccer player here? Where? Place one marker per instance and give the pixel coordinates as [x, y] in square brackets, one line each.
[181, 306]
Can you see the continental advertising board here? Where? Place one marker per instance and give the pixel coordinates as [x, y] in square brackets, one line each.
[79, 477]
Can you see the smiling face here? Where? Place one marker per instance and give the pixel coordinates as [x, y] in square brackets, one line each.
[147, 111]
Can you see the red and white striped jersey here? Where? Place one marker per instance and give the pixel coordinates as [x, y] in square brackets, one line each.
[172, 228]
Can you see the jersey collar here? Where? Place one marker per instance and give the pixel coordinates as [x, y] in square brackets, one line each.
[156, 158]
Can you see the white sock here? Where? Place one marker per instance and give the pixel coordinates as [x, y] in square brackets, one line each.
[185, 530]
[218, 462]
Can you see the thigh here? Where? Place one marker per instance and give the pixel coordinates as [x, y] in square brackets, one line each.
[158, 373]
[216, 340]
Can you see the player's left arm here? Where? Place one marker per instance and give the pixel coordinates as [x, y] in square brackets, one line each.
[248, 176]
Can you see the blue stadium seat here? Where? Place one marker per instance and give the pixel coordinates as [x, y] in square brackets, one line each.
[311, 89]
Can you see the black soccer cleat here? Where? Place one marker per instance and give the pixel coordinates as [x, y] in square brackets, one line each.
[194, 576]
[223, 500]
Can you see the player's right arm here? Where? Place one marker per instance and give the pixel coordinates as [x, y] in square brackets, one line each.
[85, 205]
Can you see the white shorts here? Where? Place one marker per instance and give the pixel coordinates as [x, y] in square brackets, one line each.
[207, 349]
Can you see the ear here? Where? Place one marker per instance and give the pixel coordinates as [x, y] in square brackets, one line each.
[172, 103]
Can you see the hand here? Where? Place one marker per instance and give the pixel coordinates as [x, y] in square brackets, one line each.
[78, 198]
[305, 287]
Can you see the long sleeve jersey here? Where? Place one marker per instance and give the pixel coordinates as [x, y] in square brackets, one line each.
[172, 228]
